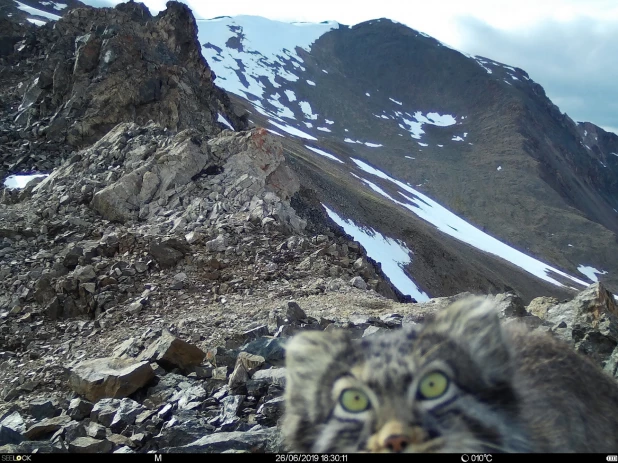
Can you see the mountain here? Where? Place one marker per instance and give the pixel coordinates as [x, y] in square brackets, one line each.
[477, 136]
[157, 252]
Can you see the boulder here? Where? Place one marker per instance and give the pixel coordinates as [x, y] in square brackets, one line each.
[47, 426]
[109, 377]
[171, 352]
[258, 441]
[90, 445]
[589, 322]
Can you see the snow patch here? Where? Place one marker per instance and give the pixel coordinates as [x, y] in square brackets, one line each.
[276, 133]
[591, 272]
[372, 145]
[306, 109]
[292, 130]
[282, 111]
[255, 54]
[449, 223]
[392, 254]
[414, 125]
[20, 181]
[324, 129]
[324, 153]
[35, 12]
[224, 121]
[310, 82]
[395, 101]
[36, 22]
[290, 94]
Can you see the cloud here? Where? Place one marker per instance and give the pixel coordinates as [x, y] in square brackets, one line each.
[574, 61]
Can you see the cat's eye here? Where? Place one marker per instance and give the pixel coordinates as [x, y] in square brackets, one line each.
[354, 400]
[433, 385]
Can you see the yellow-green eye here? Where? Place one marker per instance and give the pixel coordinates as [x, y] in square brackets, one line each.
[433, 385]
[354, 400]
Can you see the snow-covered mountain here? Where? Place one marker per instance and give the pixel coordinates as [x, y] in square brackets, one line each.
[454, 171]
[396, 108]
[36, 12]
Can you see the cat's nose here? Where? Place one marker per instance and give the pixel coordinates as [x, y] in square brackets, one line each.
[396, 443]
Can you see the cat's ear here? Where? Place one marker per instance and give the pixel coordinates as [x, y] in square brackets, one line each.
[473, 323]
[313, 350]
[313, 361]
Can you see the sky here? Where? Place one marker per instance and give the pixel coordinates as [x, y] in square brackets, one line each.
[567, 46]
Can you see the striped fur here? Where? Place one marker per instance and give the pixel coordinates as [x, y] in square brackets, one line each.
[509, 390]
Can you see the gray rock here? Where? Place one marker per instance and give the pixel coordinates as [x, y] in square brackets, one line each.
[33, 447]
[171, 352]
[229, 413]
[43, 408]
[183, 428]
[9, 436]
[109, 377]
[96, 431]
[220, 373]
[262, 440]
[124, 449]
[73, 430]
[246, 365]
[358, 282]
[219, 244]
[188, 398]
[90, 445]
[46, 426]
[261, 380]
[165, 255]
[104, 411]
[271, 411]
[589, 322]
[294, 313]
[84, 274]
[79, 409]
[611, 366]
[271, 349]
[125, 415]
[118, 440]
[373, 330]
[14, 421]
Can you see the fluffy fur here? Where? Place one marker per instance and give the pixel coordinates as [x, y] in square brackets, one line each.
[509, 390]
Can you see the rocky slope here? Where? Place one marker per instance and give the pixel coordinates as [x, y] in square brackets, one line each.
[148, 285]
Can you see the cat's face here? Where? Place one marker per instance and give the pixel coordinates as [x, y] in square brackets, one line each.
[444, 387]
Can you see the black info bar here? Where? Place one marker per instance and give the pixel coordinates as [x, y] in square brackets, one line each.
[299, 457]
